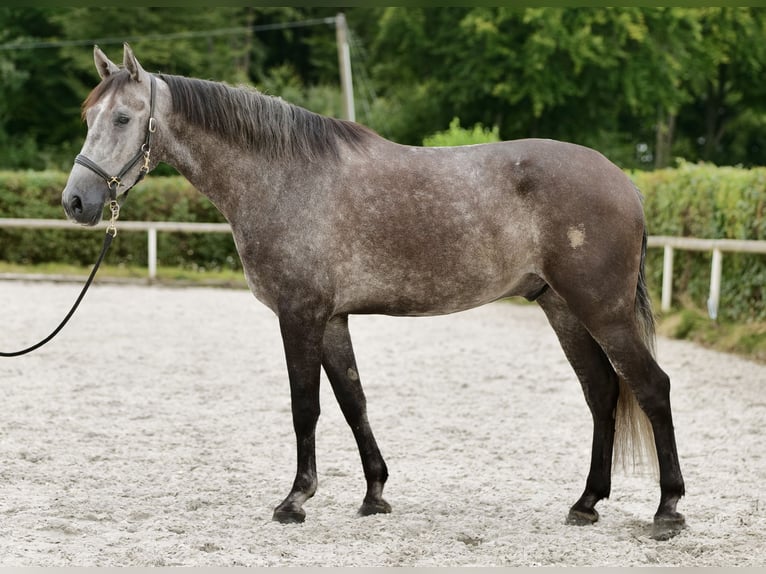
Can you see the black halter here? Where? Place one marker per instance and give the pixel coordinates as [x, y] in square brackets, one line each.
[114, 182]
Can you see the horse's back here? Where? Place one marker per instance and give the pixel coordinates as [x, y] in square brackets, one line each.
[436, 230]
[524, 175]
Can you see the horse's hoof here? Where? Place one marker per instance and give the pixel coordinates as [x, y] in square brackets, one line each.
[582, 517]
[374, 507]
[667, 526]
[289, 515]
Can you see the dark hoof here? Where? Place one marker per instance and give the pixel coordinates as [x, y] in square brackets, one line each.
[667, 526]
[374, 507]
[289, 515]
[582, 517]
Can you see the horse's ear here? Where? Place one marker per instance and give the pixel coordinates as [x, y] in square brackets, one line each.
[131, 64]
[104, 65]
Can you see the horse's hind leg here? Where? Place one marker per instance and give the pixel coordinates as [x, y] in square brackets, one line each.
[340, 365]
[651, 387]
[601, 388]
[618, 331]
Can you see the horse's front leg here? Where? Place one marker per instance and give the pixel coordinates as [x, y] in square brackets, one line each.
[340, 365]
[302, 337]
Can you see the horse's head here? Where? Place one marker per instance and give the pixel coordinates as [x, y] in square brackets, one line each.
[115, 155]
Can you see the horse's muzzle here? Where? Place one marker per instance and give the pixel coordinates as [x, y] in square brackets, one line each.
[80, 207]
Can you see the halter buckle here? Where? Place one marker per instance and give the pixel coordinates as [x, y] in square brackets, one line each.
[111, 228]
[115, 180]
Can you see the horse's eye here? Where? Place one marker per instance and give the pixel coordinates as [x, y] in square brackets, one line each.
[122, 119]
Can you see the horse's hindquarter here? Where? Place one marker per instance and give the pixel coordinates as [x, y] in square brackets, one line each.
[432, 230]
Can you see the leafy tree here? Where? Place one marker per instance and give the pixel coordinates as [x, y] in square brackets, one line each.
[725, 87]
[29, 125]
[168, 47]
[34, 133]
[643, 85]
[620, 79]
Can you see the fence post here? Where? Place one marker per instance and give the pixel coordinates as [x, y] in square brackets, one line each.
[715, 284]
[344, 61]
[152, 252]
[667, 278]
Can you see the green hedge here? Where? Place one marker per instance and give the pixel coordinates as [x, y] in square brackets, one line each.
[709, 202]
[456, 135]
[691, 200]
[38, 195]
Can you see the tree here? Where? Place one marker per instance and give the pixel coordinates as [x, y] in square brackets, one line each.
[725, 86]
[643, 85]
[611, 78]
[34, 133]
[29, 125]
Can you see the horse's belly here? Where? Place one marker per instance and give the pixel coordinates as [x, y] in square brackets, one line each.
[423, 291]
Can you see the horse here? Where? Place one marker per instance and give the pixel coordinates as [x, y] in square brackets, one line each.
[331, 219]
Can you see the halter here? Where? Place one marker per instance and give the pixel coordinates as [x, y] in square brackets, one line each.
[114, 182]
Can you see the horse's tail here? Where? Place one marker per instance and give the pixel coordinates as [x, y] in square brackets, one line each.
[633, 437]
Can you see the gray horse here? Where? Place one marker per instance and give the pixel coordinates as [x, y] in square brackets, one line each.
[331, 219]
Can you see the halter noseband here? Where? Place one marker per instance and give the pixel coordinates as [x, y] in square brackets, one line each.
[114, 182]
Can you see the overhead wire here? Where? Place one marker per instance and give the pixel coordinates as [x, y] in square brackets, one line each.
[365, 90]
[165, 37]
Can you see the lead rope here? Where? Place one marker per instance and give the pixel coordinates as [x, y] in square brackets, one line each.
[111, 233]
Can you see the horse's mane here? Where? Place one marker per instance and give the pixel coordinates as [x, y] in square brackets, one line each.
[244, 116]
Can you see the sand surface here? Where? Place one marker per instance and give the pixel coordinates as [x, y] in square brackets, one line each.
[156, 431]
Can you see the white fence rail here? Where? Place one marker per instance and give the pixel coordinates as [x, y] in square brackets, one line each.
[717, 246]
[669, 244]
[151, 228]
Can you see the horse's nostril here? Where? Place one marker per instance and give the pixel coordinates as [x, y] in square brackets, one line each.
[76, 204]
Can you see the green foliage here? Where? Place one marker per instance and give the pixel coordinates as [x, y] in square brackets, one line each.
[456, 135]
[688, 322]
[41, 89]
[38, 195]
[709, 202]
[744, 338]
[285, 82]
[671, 81]
[609, 78]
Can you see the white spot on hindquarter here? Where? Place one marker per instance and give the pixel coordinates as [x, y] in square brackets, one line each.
[576, 236]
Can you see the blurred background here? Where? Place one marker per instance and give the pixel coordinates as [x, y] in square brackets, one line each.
[642, 85]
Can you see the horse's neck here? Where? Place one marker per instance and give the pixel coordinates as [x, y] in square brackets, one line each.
[230, 177]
